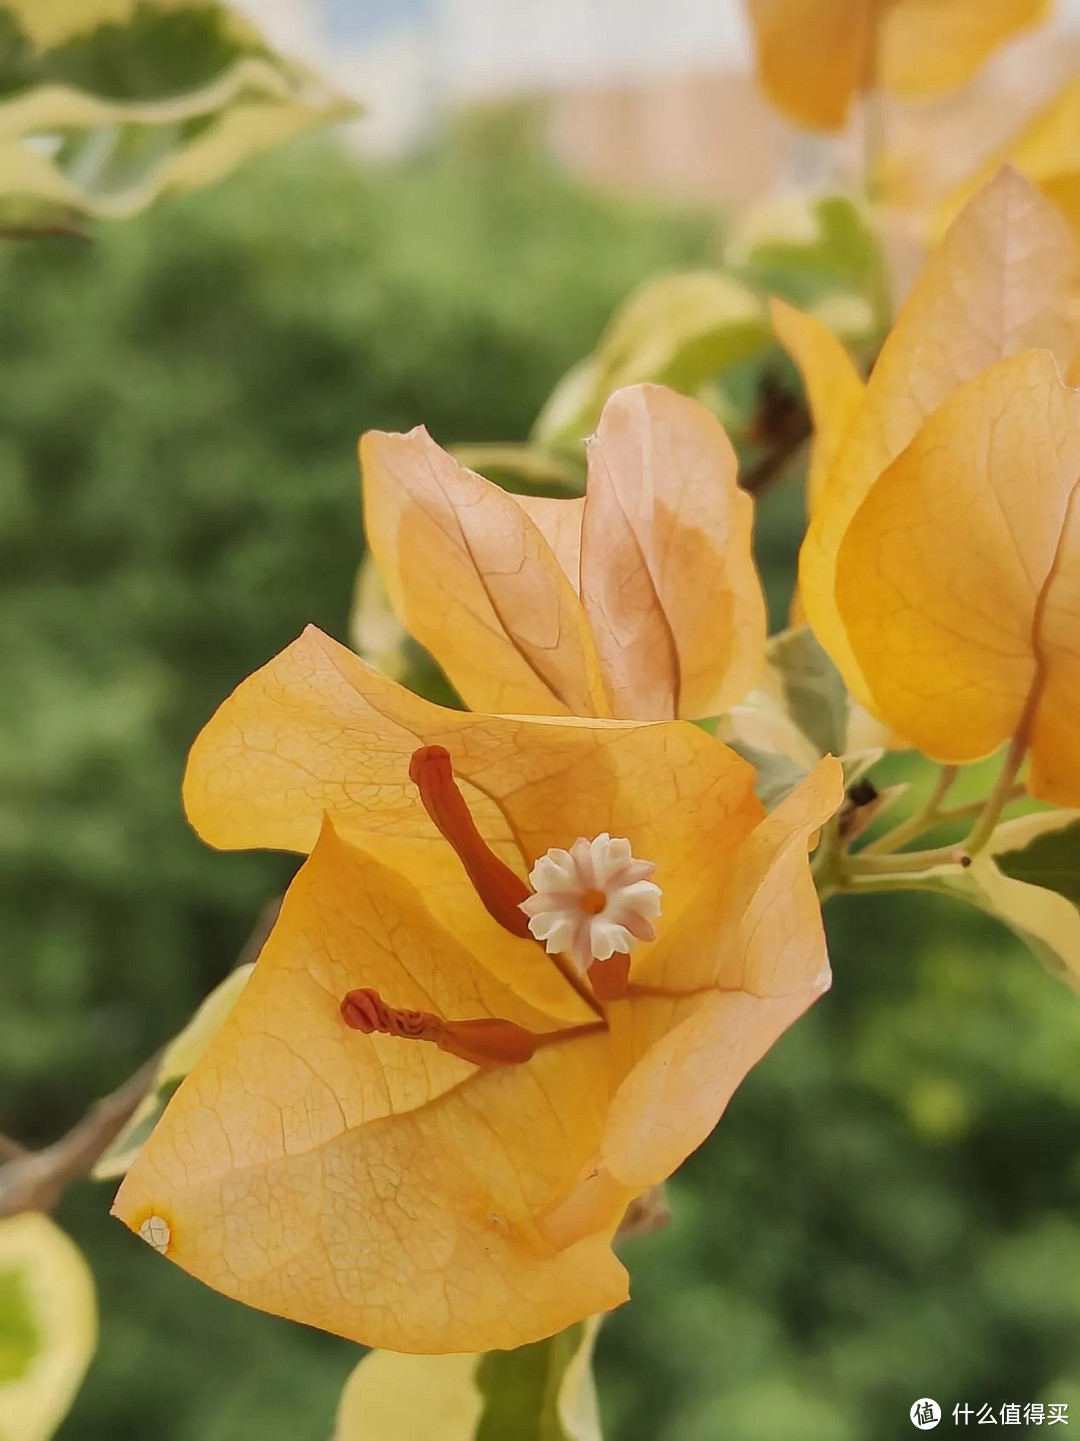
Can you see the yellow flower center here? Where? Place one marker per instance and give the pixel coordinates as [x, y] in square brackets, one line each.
[593, 901]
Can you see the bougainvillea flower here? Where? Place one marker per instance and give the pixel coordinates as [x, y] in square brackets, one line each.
[418, 1128]
[639, 601]
[939, 567]
[815, 56]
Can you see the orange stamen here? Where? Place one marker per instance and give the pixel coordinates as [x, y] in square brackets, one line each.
[610, 979]
[365, 1010]
[500, 890]
[488, 1042]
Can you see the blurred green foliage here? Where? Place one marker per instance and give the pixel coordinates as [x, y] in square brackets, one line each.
[888, 1211]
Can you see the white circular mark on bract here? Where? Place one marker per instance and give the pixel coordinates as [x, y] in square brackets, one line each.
[156, 1232]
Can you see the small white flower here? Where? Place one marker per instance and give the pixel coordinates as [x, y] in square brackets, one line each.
[592, 901]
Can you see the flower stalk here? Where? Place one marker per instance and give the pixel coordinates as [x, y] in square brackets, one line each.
[881, 866]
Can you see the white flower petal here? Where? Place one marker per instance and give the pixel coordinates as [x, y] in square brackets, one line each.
[608, 857]
[559, 933]
[581, 851]
[607, 938]
[581, 946]
[639, 927]
[642, 896]
[551, 901]
[554, 871]
[632, 871]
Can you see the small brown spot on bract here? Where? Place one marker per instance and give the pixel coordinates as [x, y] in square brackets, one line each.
[156, 1232]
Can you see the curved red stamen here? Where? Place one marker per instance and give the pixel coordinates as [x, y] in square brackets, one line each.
[610, 979]
[500, 890]
[489, 1042]
[486, 1042]
[365, 1010]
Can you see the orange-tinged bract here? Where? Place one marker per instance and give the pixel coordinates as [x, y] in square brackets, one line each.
[835, 389]
[959, 576]
[641, 602]
[939, 568]
[815, 56]
[346, 1172]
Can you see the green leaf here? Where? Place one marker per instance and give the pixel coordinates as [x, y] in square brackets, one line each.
[48, 1325]
[812, 690]
[131, 49]
[1050, 859]
[542, 1392]
[690, 329]
[176, 1061]
[679, 330]
[820, 253]
[526, 469]
[1024, 878]
[107, 104]
[799, 712]
[777, 774]
[20, 1339]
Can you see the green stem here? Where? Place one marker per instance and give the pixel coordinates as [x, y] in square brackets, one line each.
[882, 855]
[873, 885]
[864, 865]
[973, 809]
[1004, 789]
[926, 816]
[879, 868]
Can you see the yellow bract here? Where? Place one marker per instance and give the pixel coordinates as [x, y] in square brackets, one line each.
[641, 601]
[959, 576]
[835, 389]
[387, 1190]
[814, 56]
[939, 569]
